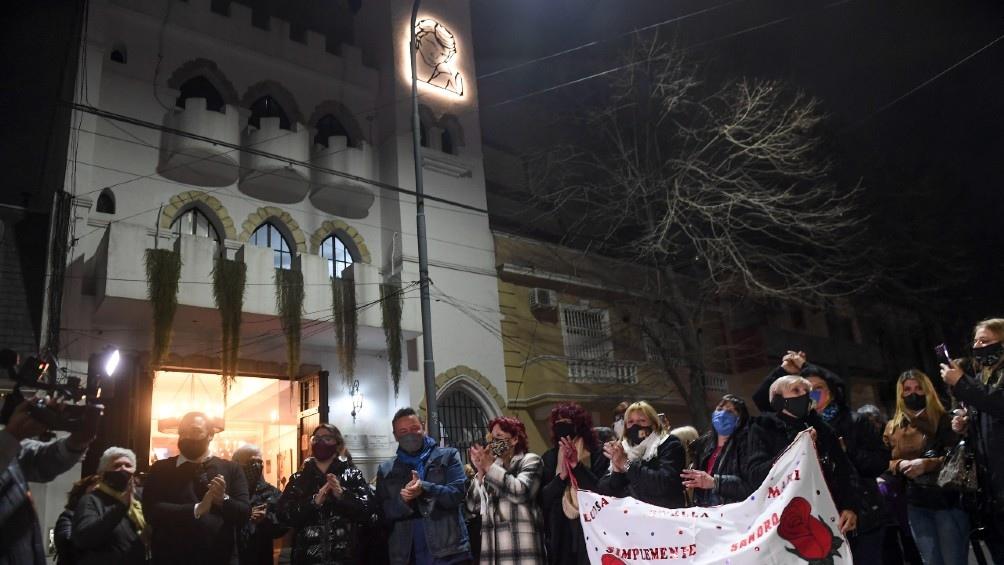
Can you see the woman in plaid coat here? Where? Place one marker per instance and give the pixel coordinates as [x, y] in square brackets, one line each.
[504, 493]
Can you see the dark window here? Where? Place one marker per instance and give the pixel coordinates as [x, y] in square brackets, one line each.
[267, 107]
[221, 7]
[260, 19]
[297, 32]
[200, 87]
[462, 420]
[446, 142]
[119, 55]
[267, 235]
[423, 134]
[333, 249]
[106, 202]
[412, 347]
[329, 126]
[195, 222]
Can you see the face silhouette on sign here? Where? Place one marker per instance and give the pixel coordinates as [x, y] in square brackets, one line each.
[437, 50]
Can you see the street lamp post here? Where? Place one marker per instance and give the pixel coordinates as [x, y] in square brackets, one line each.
[429, 365]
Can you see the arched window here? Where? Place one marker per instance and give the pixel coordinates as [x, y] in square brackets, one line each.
[106, 202]
[329, 126]
[268, 107]
[462, 419]
[200, 87]
[267, 235]
[446, 142]
[195, 222]
[334, 250]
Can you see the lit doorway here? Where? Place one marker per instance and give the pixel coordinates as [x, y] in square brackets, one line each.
[259, 411]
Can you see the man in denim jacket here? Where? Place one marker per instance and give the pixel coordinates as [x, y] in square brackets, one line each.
[421, 492]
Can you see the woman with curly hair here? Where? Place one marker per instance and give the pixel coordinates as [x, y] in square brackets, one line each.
[504, 492]
[576, 454]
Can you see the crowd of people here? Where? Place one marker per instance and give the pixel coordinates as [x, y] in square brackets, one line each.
[425, 506]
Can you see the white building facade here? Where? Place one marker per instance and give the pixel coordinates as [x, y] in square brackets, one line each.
[210, 129]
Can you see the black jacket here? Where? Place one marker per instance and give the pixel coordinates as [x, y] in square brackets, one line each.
[62, 538]
[732, 485]
[563, 536]
[103, 532]
[656, 481]
[984, 396]
[771, 434]
[254, 541]
[861, 440]
[169, 498]
[330, 533]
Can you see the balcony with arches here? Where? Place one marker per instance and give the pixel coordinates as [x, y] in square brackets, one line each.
[272, 130]
[338, 149]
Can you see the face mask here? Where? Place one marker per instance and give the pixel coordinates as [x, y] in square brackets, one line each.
[636, 434]
[118, 480]
[915, 402]
[816, 396]
[324, 451]
[253, 472]
[411, 443]
[564, 429]
[498, 447]
[797, 406]
[193, 448]
[724, 422]
[988, 355]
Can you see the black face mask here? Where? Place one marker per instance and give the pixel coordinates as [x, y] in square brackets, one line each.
[193, 448]
[118, 480]
[797, 406]
[253, 472]
[637, 434]
[564, 429]
[915, 402]
[988, 355]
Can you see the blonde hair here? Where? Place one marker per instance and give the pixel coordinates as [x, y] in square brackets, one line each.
[995, 325]
[786, 383]
[933, 410]
[649, 412]
[687, 434]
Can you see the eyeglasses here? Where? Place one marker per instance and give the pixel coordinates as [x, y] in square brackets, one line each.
[324, 439]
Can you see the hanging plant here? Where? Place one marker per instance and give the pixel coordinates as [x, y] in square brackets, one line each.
[289, 304]
[163, 270]
[343, 310]
[229, 278]
[391, 304]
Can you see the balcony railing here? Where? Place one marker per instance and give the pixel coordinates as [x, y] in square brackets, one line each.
[602, 371]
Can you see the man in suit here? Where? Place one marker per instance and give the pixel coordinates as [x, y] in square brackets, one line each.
[195, 502]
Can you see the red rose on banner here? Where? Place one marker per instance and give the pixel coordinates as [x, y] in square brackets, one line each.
[611, 560]
[813, 539]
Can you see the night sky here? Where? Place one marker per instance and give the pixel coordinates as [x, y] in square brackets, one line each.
[932, 161]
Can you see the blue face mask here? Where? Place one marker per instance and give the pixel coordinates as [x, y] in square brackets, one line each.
[725, 422]
[816, 396]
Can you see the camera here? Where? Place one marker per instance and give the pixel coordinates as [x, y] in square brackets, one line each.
[42, 374]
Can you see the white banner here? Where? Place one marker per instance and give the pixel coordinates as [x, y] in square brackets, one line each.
[790, 519]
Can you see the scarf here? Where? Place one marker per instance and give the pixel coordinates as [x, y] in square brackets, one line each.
[135, 508]
[417, 462]
[829, 413]
[647, 449]
[570, 500]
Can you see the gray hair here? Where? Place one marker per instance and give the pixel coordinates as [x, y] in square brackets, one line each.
[113, 453]
[244, 453]
[786, 383]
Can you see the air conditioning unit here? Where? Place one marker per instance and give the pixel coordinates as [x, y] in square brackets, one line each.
[543, 299]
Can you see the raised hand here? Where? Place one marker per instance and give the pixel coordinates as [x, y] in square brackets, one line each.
[218, 488]
[413, 489]
[334, 486]
[792, 362]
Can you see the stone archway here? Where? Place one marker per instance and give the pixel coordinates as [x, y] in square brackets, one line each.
[210, 204]
[257, 217]
[347, 232]
[472, 382]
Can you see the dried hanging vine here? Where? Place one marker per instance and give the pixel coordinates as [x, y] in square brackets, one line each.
[343, 310]
[289, 304]
[229, 279]
[391, 305]
[163, 270]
